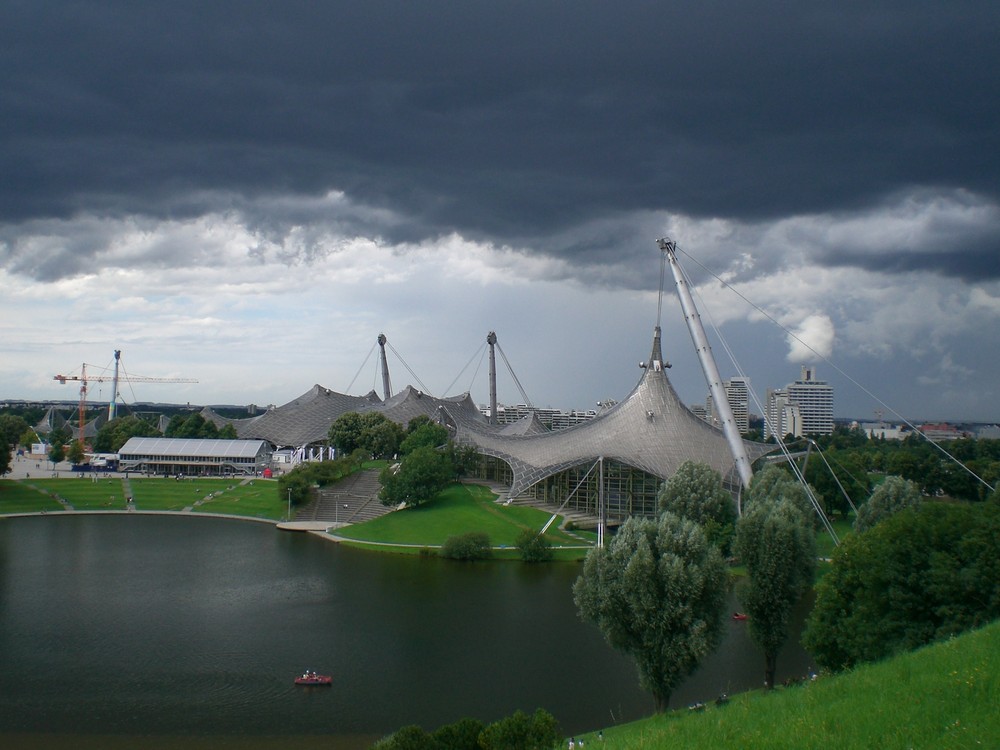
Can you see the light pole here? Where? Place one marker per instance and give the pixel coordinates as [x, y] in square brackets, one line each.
[288, 515]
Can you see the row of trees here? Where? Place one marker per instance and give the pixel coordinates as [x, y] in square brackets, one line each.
[852, 457]
[924, 572]
[428, 461]
[658, 590]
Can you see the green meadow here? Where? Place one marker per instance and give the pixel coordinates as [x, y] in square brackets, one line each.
[944, 696]
[21, 497]
[82, 492]
[460, 509]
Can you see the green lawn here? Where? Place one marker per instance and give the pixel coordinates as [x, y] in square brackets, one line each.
[258, 498]
[20, 497]
[157, 493]
[460, 509]
[943, 696]
[83, 493]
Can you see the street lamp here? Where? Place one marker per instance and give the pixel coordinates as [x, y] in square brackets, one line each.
[288, 515]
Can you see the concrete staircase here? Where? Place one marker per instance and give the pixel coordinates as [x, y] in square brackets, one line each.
[351, 500]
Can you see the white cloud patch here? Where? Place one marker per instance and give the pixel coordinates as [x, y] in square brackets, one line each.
[260, 310]
[812, 338]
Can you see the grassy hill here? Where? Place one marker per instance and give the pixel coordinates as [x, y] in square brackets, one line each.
[459, 509]
[943, 696]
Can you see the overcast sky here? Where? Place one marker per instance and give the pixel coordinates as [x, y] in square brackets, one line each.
[248, 193]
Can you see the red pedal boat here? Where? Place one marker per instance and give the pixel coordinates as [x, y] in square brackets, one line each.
[311, 678]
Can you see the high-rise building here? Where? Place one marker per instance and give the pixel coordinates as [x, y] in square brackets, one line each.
[738, 395]
[804, 407]
[781, 416]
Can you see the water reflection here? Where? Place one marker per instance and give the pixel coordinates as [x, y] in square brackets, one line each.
[172, 629]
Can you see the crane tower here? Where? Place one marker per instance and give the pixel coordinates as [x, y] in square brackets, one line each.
[84, 379]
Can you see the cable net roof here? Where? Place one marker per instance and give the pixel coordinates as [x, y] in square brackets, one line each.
[651, 430]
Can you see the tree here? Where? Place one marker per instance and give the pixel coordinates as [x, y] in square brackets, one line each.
[193, 426]
[61, 435]
[774, 483]
[416, 479]
[539, 731]
[410, 737]
[426, 434]
[11, 429]
[4, 457]
[76, 452]
[28, 437]
[695, 492]
[373, 432]
[460, 735]
[657, 592]
[892, 496]
[474, 545]
[57, 452]
[777, 544]
[533, 546]
[113, 435]
[925, 573]
[380, 435]
[345, 433]
[845, 471]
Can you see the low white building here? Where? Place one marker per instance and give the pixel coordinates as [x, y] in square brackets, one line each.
[194, 457]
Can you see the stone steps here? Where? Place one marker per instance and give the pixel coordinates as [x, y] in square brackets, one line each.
[352, 500]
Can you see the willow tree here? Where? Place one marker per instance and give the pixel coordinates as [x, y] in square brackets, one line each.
[695, 492]
[893, 495]
[658, 593]
[777, 544]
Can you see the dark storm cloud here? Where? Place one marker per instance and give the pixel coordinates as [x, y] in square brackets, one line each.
[520, 123]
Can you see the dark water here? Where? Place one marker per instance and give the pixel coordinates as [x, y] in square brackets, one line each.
[187, 632]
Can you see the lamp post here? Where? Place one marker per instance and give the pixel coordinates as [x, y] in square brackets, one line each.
[288, 515]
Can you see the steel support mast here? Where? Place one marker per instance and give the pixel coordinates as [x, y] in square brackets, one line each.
[386, 385]
[720, 402]
[113, 403]
[491, 339]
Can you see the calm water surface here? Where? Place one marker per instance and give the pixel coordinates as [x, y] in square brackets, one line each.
[187, 632]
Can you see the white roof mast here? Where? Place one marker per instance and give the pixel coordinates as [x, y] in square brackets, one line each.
[719, 400]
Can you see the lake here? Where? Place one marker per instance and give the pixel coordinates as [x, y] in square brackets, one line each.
[184, 631]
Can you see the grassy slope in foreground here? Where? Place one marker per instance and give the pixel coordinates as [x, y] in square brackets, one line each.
[942, 696]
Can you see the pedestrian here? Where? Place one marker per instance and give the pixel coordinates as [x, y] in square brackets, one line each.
[572, 743]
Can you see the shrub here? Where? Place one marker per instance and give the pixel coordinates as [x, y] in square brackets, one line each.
[472, 546]
[462, 735]
[410, 737]
[534, 547]
[522, 732]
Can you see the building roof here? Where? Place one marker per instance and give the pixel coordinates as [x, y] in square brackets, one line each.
[650, 430]
[193, 447]
[307, 419]
[301, 421]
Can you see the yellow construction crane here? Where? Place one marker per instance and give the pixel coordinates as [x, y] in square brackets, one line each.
[83, 379]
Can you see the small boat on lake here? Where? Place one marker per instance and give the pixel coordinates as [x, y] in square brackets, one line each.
[739, 616]
[312, 678]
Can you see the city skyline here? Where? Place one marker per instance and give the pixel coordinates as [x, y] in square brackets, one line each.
[249, 195]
